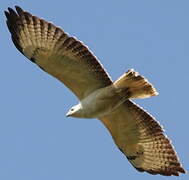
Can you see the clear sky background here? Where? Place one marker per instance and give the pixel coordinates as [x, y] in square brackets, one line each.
[38, 142]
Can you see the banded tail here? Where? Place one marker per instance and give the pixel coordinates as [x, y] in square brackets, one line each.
[135, 85]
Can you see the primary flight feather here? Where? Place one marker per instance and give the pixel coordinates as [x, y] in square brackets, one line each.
[136, 133]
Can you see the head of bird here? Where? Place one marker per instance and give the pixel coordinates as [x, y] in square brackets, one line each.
[75, 111]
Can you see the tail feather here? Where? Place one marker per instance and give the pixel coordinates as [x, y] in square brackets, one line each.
[136, 85]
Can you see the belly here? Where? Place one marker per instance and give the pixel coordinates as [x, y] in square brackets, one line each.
[100, 103]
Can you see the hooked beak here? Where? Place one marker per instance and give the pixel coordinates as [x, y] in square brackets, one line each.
[67, 115]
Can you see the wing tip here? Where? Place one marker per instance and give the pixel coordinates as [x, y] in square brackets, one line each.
[172, 172]
[10, 12]
[6, 14]
[18, 8]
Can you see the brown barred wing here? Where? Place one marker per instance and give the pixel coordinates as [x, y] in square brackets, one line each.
[140, 137]
[64, 57]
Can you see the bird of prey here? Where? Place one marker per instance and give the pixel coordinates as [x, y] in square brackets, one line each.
[136, 133]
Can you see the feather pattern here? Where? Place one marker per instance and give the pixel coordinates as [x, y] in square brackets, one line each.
[140, 137]
[62, 56]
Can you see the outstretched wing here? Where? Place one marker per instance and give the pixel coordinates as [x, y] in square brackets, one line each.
[64, 57]
[140, 137]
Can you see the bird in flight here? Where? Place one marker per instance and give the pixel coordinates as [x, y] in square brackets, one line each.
[136, 133]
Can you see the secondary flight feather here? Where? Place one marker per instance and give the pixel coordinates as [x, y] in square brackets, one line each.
[136, 133]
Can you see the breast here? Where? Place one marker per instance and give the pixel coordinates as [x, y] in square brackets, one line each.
[100, 102]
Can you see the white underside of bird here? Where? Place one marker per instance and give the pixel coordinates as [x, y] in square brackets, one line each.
[105, 100]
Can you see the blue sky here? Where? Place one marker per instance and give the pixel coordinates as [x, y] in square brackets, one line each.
[38, 142]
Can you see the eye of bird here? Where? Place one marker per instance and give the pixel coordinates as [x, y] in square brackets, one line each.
[72, 109]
